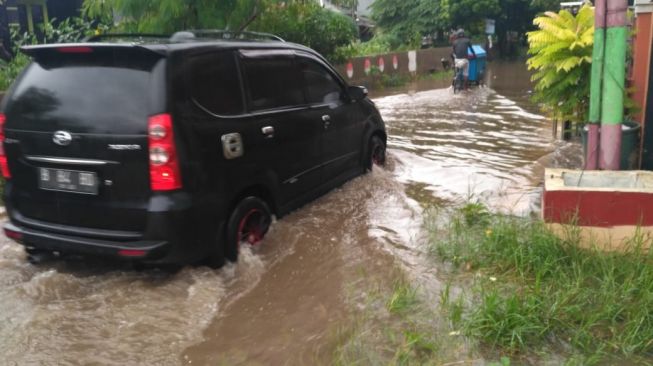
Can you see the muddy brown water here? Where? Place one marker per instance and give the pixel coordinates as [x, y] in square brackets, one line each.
[284, 302]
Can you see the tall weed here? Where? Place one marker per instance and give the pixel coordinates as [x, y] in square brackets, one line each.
[546, 290]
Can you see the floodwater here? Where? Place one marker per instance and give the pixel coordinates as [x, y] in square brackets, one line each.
[284, 302]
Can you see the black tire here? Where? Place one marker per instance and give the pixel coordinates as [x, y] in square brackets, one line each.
[376, 152]
[249, 222]
[458, 82]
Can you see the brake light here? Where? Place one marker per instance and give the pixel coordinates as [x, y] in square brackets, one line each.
[131, 253]
[3, 158]
[11, 234]
[75, 49]
[164, 165]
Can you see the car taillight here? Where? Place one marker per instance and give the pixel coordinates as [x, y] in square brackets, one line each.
[12, 234]
[164, 165]
[131, 253]
[3, 158]
[75, 49]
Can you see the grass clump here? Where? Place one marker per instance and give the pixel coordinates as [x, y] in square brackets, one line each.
[396, 327]
[532, 290]
[403, 298]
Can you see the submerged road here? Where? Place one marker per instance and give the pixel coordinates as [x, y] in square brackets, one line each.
[283, 302]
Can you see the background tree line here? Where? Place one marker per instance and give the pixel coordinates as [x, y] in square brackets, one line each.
[300, 21]
[402, 21]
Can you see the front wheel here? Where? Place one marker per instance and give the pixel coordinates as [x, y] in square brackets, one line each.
[376, 153]
[247, 225]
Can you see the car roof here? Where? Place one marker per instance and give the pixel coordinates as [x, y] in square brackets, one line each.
[201, 38]
[226, 44]
[167, 47]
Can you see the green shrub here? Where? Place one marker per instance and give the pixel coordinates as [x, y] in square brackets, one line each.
[10, 70]
[561, 55]
[379, 44]
[307, 24]
[67, 31]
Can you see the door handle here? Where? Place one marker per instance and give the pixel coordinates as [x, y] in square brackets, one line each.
[327, 120]
[268, 131]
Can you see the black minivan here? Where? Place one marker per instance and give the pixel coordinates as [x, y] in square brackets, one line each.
[175, 150]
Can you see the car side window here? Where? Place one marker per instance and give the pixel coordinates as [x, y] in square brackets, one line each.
[273, 82]
[319, 83]
[215, 84]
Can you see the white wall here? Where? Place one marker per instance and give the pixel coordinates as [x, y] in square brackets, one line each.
[362, 10]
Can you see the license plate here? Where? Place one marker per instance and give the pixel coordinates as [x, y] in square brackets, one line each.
[68, 181]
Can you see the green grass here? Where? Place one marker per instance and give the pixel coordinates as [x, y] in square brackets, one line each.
[398, 326]
[403, 298]
[532, 290]
[438, 75]
[395, 327]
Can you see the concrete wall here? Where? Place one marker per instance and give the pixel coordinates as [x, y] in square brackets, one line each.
[407, 63]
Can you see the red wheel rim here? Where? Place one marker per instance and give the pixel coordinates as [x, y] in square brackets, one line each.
[252, 227]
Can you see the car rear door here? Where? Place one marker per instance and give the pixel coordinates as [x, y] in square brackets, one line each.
[277, 107]
[341, 119]
[249, 114]
[76, 136]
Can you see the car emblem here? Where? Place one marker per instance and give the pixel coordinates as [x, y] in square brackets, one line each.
[62, 138]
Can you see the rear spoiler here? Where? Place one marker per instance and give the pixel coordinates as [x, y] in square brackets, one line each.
[37, 51]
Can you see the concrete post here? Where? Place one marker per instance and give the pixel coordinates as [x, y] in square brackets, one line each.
[614, 75]
[598, 54]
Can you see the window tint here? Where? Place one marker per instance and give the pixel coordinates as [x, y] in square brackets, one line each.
[83, 93]
[215, 84]
[320, 85]
[273, 82]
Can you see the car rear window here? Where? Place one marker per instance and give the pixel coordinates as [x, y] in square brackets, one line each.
[93, 93]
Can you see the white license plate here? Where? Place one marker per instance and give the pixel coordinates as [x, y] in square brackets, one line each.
[68, 181]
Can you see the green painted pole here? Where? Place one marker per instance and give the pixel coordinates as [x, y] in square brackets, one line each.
[614, 76]
[596, 82]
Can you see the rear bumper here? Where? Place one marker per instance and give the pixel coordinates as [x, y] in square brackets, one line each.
[176, 231]
[54, 242]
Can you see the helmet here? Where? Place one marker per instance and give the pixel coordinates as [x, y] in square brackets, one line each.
[460, 32]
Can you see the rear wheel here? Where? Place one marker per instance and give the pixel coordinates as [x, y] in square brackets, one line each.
[247, 225]
[458, 81]
[376, 154]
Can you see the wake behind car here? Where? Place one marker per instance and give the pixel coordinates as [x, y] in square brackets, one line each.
[175, 150]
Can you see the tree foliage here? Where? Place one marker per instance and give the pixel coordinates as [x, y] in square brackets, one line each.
[167, 16]
[405, 18]
[308, 24]
[408, 19]
[561, 55]
[297, 21]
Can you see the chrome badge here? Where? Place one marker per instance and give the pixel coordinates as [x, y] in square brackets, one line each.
[62, 138]
[124, 147]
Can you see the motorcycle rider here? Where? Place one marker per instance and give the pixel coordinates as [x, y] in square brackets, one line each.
[460, 52]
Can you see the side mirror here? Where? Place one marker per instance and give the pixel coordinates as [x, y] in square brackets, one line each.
[357, 93]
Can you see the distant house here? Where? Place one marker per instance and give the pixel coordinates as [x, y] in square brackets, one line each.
[26, 15]
[362, 15]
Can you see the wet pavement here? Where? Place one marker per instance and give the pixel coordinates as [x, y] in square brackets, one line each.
[284, 302]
